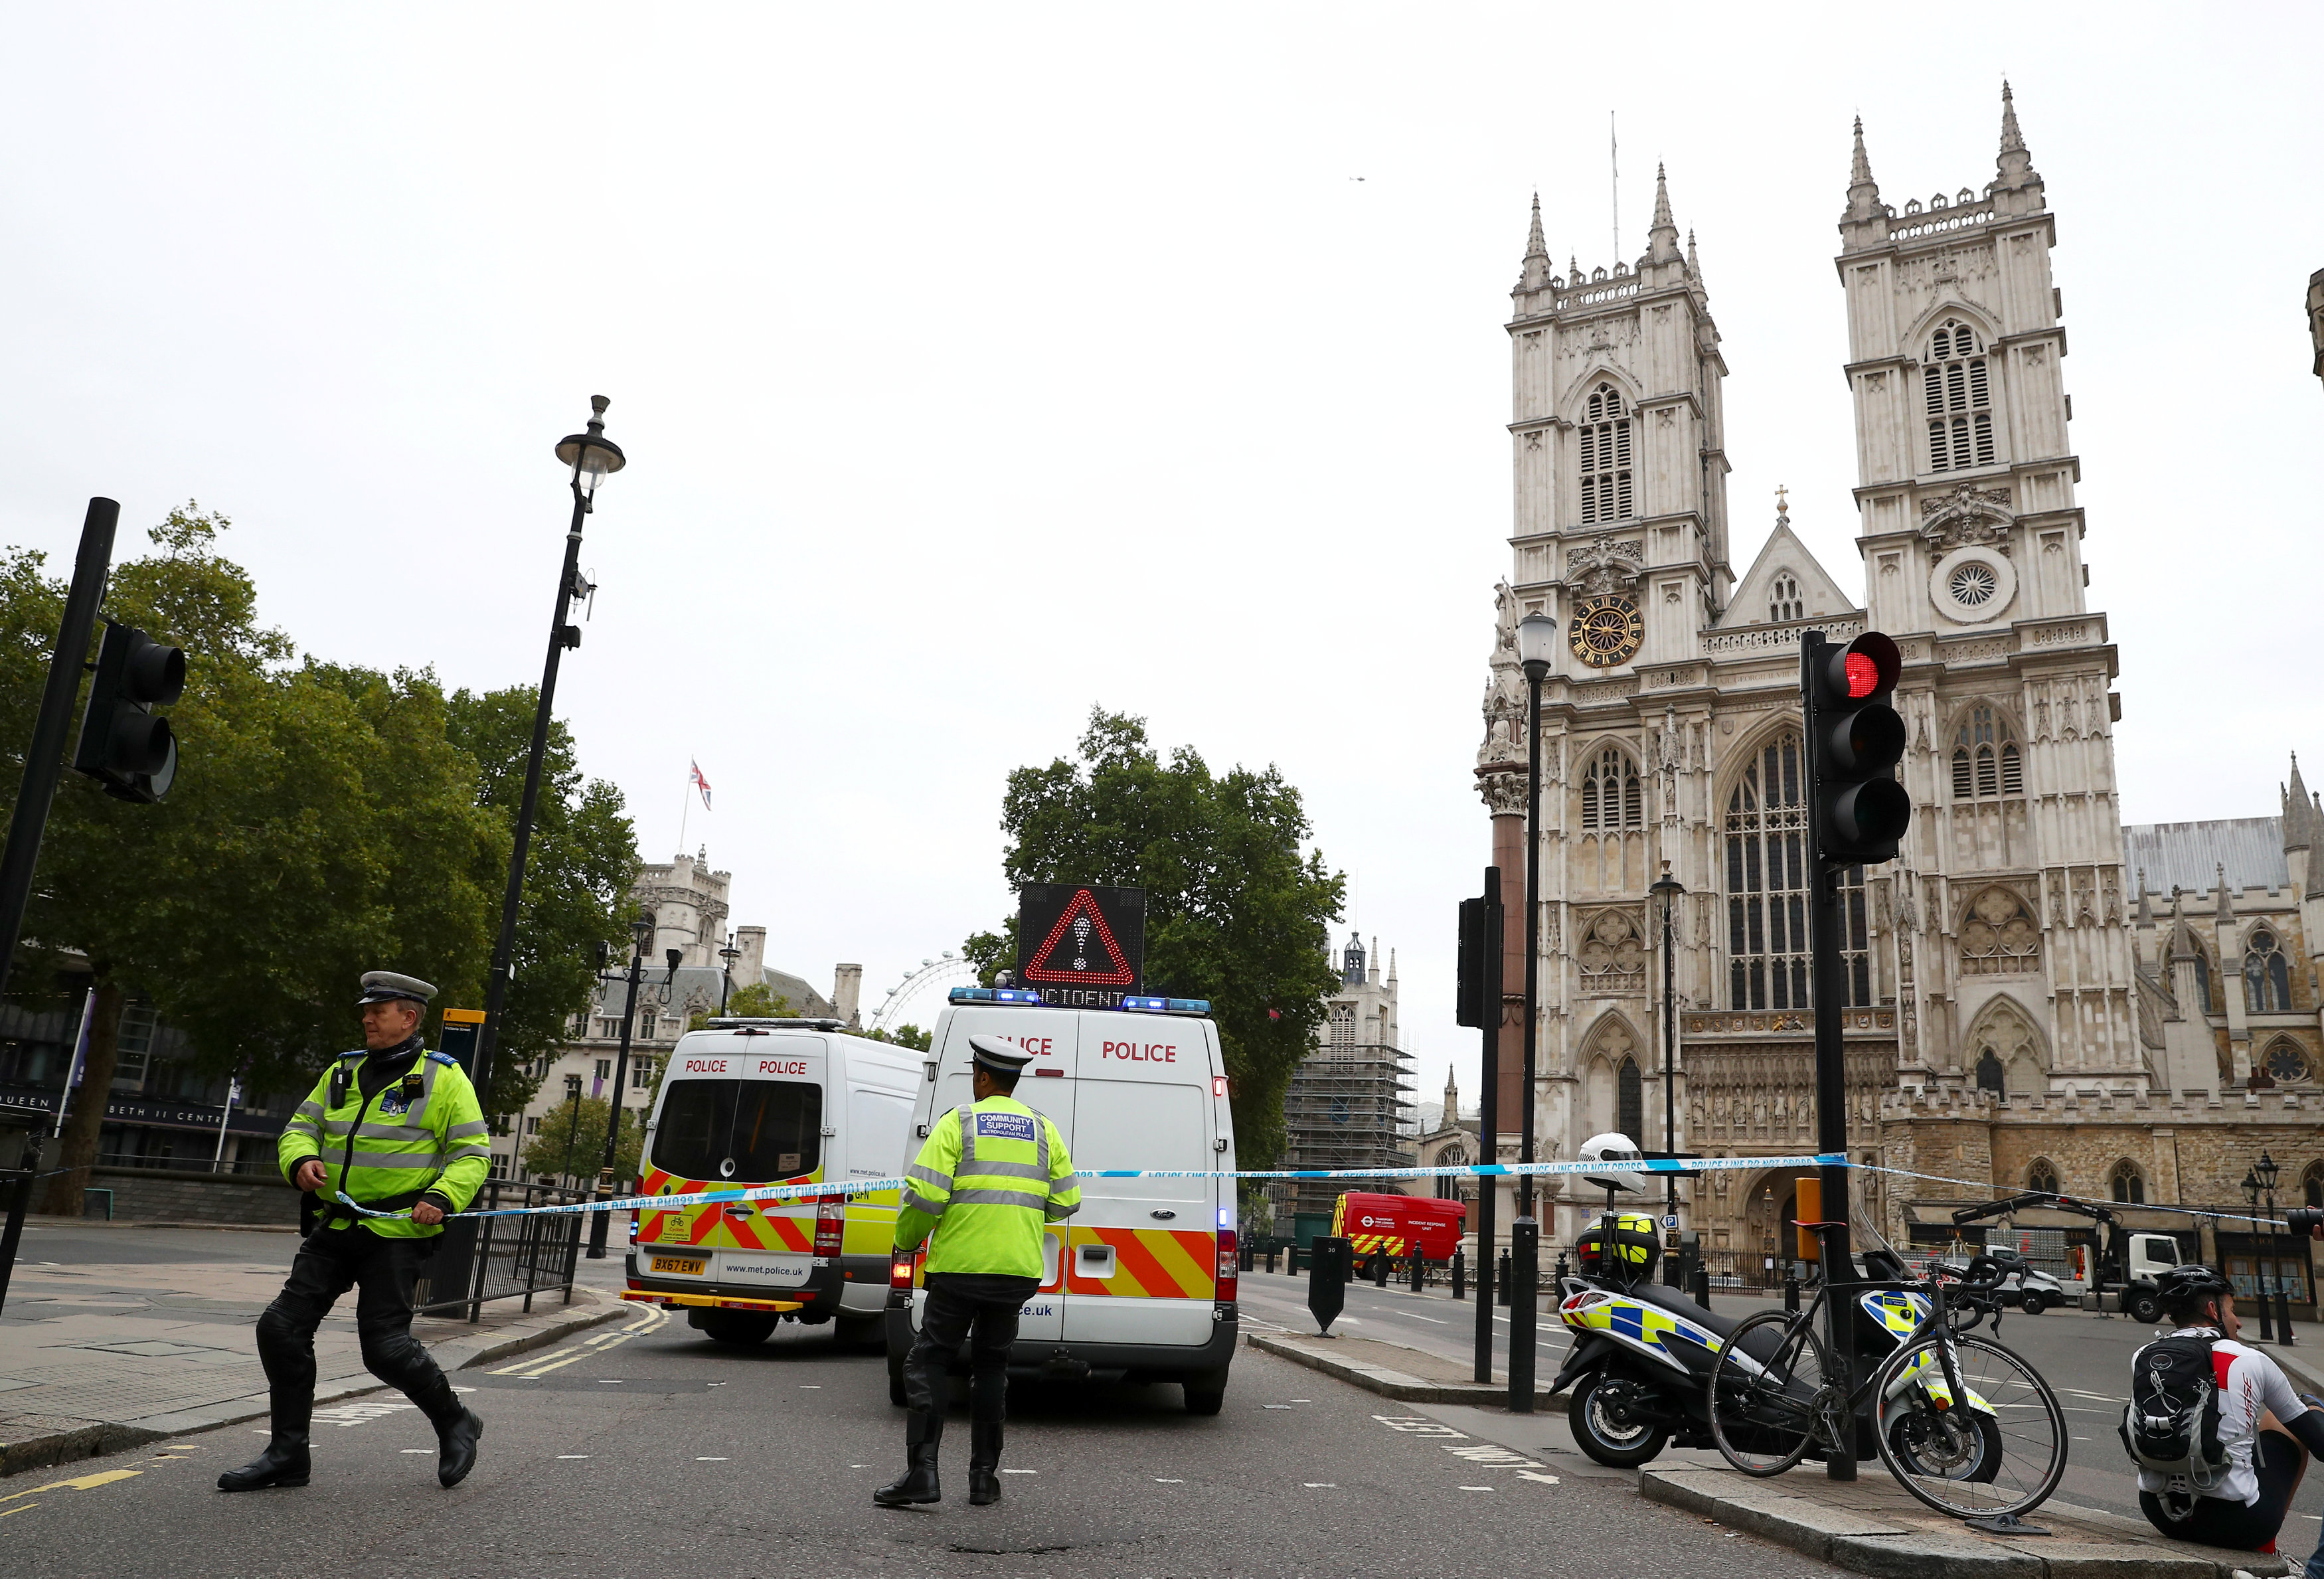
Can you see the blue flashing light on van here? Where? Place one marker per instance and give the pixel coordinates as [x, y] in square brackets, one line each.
[1028, 995]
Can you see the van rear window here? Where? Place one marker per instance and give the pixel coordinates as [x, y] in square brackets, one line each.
[749, 1130]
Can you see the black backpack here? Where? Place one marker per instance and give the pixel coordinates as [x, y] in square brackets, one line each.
[2171, 1423]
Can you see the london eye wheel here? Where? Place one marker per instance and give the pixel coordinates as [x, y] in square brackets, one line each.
[917, 998]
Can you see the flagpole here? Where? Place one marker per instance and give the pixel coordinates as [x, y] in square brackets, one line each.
[684, 808]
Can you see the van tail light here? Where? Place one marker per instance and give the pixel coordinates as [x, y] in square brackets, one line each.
[1230, 1266]
[899, 1270]
[830, 1224]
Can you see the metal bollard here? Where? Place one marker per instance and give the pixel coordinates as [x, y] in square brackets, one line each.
[1460, 1273]
[1329, 1263]
[1380, 1270]
[1501, 1282]
[1249, 1257]
[1419, 1272]
[1564, 1271]
[1702, 1281]
[1790, 1294]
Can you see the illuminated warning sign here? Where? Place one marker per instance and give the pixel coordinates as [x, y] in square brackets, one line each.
[1073, 935]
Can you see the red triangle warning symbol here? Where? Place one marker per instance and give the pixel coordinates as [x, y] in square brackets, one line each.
[1081, 949]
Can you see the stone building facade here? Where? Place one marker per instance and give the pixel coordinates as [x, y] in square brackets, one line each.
[1349, 1103]
[2022, 983]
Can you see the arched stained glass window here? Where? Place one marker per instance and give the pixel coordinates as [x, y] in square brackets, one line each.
[1630, 1097]
[1986, 765]
[1766, 873]
[2267, 974]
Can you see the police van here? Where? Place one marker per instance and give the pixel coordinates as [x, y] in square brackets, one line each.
[747, 1102]
[1139, 1284]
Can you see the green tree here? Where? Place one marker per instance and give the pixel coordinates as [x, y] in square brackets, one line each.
[905, 1036]
[571, 1144]
[1235, 912]
[576, 877]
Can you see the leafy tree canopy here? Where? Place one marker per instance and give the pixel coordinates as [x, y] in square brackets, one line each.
[325, 820]
[1234, 911]
[571, 1144]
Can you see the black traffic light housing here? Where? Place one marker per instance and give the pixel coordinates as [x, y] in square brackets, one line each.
[123, 744]
[1855, 739]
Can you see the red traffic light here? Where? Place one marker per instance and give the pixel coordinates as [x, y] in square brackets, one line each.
[1867, 667]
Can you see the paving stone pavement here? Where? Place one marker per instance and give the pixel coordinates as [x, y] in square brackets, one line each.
[99, 1357]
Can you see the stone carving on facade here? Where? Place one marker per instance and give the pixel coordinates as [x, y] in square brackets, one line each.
[1969, 514]
[1604, 566]
[1999, 935]
[1613, 957]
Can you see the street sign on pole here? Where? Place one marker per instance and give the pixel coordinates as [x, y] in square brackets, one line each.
[1082, 945]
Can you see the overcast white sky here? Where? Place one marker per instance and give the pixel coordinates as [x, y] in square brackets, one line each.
[979, 363]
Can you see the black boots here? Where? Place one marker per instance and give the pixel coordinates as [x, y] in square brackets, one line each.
[456, 1446]
[985, 1464]
[917, 1485]
[283, 1463]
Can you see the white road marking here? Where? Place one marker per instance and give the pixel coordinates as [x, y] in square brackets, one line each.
[1529, 1476]
[419, 1450]
[1303, 1400]
[1320, 1485]
[572, 1456]
[1160, 1482]
[1476, 1488]
[1412, 1316]
[1006, 1472]
[699, 1460]
[810, 1387]
[1275, 1406]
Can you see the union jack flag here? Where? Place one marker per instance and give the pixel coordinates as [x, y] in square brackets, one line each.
[699, 783]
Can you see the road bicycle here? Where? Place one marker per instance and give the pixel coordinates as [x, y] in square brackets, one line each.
[1965, 1425]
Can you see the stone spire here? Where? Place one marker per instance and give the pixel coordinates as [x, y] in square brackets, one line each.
[1574, 267]
[1452, 1102]
[2014, 167]
[1694, 264]
[1536, 258]
[2224, 908]
[2299, 832]
[1863, 191]
[1662, 236]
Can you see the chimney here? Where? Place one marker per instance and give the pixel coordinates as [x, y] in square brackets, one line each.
[751, 968]
[847, 988]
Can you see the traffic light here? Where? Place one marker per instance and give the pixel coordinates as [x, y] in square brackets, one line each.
[1854, 741]
[123, 745]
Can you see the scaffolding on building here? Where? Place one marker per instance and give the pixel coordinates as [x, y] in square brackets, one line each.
[1348, 1107]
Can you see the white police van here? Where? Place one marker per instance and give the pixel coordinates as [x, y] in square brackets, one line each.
[1139, 1285]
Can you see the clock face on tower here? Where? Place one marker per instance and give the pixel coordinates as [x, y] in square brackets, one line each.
[1606, 631]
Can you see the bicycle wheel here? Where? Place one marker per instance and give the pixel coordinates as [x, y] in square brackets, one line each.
[2001, 1450]
[1767, 1392]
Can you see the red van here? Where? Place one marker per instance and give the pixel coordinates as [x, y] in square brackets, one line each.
[1392, 1225]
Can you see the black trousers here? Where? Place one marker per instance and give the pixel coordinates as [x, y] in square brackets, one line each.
[383, 1270]
[958, 1302]
[2239, 1527]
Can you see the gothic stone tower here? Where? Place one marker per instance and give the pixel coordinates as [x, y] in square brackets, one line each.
[1620, 536]
[2008, 901]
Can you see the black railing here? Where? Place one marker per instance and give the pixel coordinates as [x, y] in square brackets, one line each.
[481, 1259]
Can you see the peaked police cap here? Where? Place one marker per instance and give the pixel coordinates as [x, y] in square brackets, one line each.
[1002, 1058]
[384, 986]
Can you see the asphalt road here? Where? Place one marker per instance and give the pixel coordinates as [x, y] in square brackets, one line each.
[647, 1450]
[65, 1241]
[2085, 1358]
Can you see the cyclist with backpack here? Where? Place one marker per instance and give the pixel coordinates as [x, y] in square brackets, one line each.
[2220, 1439]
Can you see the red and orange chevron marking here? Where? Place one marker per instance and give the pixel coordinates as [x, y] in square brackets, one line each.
[1150, 1263]
[713, 1227]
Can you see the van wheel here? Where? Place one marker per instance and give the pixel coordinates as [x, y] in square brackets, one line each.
[2035, 1303]
[2144, 1307]
[1206, 1392]
[737, 1329]
[850, 1332]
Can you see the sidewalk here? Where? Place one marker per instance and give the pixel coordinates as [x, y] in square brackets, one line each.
[97, 1357]
[1872, 1524]
[1396, 1371]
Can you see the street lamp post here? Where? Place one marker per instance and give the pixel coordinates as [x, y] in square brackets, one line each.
[1669, 890]
[726, 958]
[2268, 1170]
[2252, 1193]
[593, 458]
[1536, 642]
[641, 932]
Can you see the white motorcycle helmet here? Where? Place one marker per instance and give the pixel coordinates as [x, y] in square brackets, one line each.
[1610, 1152]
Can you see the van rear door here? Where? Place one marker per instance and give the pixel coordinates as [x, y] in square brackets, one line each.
[1046, 1087]
[1143, 1258]
[737, 1111]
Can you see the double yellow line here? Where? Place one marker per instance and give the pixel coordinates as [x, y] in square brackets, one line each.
[648, 1317]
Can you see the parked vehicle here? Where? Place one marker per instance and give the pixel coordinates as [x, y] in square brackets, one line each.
[2129, 1263]
[748, 1102]
[2024, 1285]
[1396, 1226]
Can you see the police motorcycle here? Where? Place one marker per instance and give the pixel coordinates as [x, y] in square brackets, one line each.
[1643, 1352]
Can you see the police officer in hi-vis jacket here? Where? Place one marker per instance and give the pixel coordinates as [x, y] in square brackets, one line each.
[391, 1126]
[988, 1179]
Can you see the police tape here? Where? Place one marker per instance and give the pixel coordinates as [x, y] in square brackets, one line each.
[867, 1187]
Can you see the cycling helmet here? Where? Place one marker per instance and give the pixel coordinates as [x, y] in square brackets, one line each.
[1637, 1248]
[2183, 1288]
[1612, 1151]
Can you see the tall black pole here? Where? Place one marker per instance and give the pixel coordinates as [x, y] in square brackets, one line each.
[1524, 1234]
[600, 1221]
[1828, 984]
[1489, 1120]
[561, 635]
[44, 761]
[1670, 1065]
